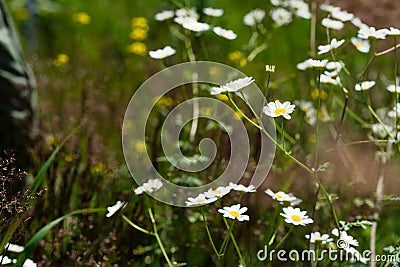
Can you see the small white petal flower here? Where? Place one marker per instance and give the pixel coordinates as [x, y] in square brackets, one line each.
[220, 191]
[242, 188]
[332, 24]
[350, 241]
[394, 88]
[186, 12]
[310, 111]
[113, 209]
[360, 44]
[358, 23]
[329, 8]
[381, 130]
[235, 212]
[295, 216]
[317, 237]
[392, 31]
[318, 64]
[342, 15]
[279, 196]
[13, 248]
[276, 109]
[227, 34]
[333, 45]
[237, 85]
[371, 33]
[365, 85]
[29, 263]
[196, 26]
[253, 17]
[6, 260]
[162, 53]
[199, 200]
[184, 20]
[213, 12]
[395, 111]
[164, 15]
[281, 16]
[149, 186]
[329, 80]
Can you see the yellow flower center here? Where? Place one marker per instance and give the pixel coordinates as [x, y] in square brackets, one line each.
[318, 239]
[216, 191]
[200, 200]
[358, 45]
[234, 213]
[296, 218]
[279, 196]
[279, 111]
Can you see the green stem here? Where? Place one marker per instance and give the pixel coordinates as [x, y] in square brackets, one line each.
[265, 95]
[298, 162]
[234, 242]
[317, 123]
[284, 238]
[226, 239]
[159, 239]
[137, 227]
[283, 133]
[209, 234]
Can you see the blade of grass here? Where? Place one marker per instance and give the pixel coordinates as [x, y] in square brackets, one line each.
[34, 241]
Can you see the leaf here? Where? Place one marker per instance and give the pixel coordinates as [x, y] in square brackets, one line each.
[34, 241]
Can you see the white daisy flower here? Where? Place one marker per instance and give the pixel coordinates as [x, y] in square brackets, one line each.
[333, 68]
[253, 17]
[6, 260]
[220, 191]
[318, 64]
[365, 85]
[300, 8]
[149, 186]
[329, 80]
[201, 199]
[281, 16]
[329, 8]
[164, 15]
[342, 15]
[371, 33]
[196, 26]
[184, 20]
[317, 237]
[333, 45]
[213, 12]
[304, 65]
[395, 111]
[394, 88]
[279, 196]
[29, 263]
[186, 12]
[242, 188]
[113, 209]
[350, 241]
[227, 34]
[14, 248]
[233, 86]
[270, 68]
[276, 109]
[310, 111]
[235, 212]
[294, 201]
[356, 21]
[360, 44]
[295, 216]
[381, 130]
[162, 53]
[392, 31]
[332, 24]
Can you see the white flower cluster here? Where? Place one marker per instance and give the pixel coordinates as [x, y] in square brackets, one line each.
[188, 18]
[286, 9]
